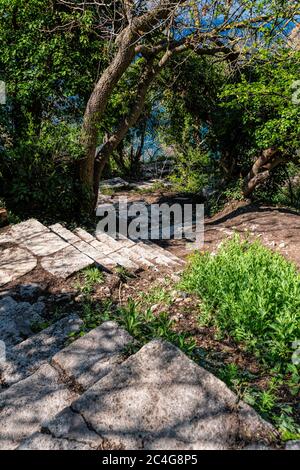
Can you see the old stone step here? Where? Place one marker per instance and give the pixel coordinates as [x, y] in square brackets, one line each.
[164, 252]
[109, 246]
[159, 399]
[15, 262]
[66, 262]
[94, 355]
[26, 404]
[41, 396]
[17, 319]
[82, 242]
[26, 357]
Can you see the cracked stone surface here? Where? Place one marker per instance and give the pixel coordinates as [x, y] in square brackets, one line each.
[27, 229]
[94, 355]
[17, 318]
[15, 262]
[64, 233]
[66, 262]
[27, 356]
[27, 404]
[67, 430]
[44, 244]
[160, 399]
[40, 441]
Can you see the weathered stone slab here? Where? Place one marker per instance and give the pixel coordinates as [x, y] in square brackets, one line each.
[148, 244]
[5, 237]
[64, 233]
[27, 229]
[66, 431]
[94, 355]
[159, 399]
[101, 247]
[42, 441]
[155, 257]
[16, 320]
[110, 242]
[27, 404]
[138, 258]
[84, 235]
[44, 244]
[66, 262]
[95, 254]
[14, 263]
[89, 250]
[25, 358]
[123, 261]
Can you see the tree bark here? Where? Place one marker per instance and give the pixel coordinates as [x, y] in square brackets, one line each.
[96, 106]
[148, 75]
[260, 171]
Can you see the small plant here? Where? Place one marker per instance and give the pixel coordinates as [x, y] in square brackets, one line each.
[37, 327]
[124, 274]
[156, 295]
[145, 326]
[91, 278]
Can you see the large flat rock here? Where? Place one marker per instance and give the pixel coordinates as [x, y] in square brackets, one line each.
[27, 229]
[94, 355]
[17, 319]
[14, 263]
[160, 399]
[66, 262]
[44, 244]
[25, 358]
[27, 404]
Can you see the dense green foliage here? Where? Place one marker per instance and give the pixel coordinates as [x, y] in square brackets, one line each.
[221, 118]
[251, 294]
[47, 85]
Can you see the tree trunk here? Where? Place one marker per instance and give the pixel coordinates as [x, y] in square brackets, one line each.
[260, 171]
[127, 122]
[97, 104]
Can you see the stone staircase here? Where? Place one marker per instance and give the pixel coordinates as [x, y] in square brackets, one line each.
[91, 395]
[61, 252]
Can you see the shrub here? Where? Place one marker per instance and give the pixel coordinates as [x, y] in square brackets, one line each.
[251, 294]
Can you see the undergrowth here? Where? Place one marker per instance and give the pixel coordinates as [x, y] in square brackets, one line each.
[251, 294]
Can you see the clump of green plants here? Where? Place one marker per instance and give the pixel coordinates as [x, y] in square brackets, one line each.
[156, 295]
[123, 274]
[91, 278]
[251, 294]
[144, 326]
[141, 323]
